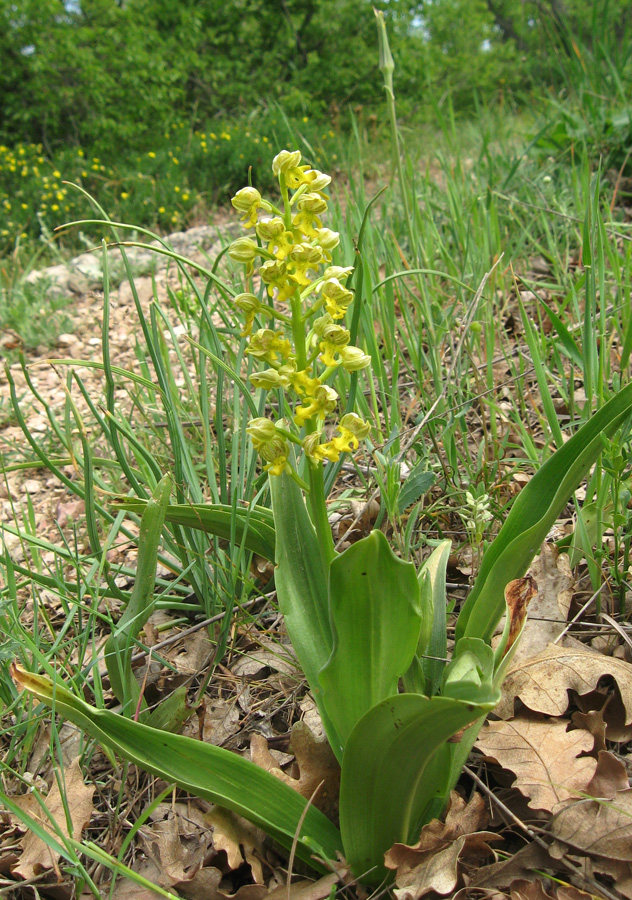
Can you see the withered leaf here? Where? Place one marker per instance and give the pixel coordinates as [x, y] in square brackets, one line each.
[543, 682]
[241, 841]
[600, 827]
[306, 890]
[437, 861]
[548, 610]
[543, 756]
[316, 763]
[77, 799]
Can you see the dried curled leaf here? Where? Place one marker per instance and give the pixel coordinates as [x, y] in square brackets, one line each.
[436, 862]
[77, 800]
[543, 682]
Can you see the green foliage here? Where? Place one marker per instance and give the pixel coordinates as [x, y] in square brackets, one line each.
[170, 184]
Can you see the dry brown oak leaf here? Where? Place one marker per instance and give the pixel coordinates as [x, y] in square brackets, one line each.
[444, 849]
[543, 682]
[77, 800]
[600, 822]
[319, 770]
[542, 754]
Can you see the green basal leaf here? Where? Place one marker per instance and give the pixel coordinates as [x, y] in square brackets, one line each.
[390, 778]
[376, 617]
[532, 515]
[254, 527]
[301, 583]
[202, 769]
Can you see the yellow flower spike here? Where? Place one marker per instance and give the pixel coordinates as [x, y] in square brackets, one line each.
[337, 298]
[354, 359]
[248, 202]
[323, 401]
[268, 345]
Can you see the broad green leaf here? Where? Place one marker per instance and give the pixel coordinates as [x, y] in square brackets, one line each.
[252, 526]
[389, 780]
[533, 513]
[202, 769]
[376, 616]
[301, 583]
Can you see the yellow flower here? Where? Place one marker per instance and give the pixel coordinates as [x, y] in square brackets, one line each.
[322, 402]
[337, 298]
[124, 195]
[247, 201]
[185, 197]
[151, 154]
[161, 210]
[272, 445]
[269, 345]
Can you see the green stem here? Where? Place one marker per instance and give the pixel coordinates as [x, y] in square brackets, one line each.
[318, 513]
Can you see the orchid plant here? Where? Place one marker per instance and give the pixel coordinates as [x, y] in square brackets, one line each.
[367, 628]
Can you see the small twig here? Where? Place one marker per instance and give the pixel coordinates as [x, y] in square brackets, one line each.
[618, 628]
[577, 615]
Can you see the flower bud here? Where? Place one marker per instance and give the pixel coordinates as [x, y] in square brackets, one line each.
[306, 253]
[335, 334]
[269, 379]
[269, 229]
[247, 303]
[354, 359]
[262, 430]
[272, 270]
[310, 443]
[338, 272]
[337, 298]
[317, 181]
[243, 250]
